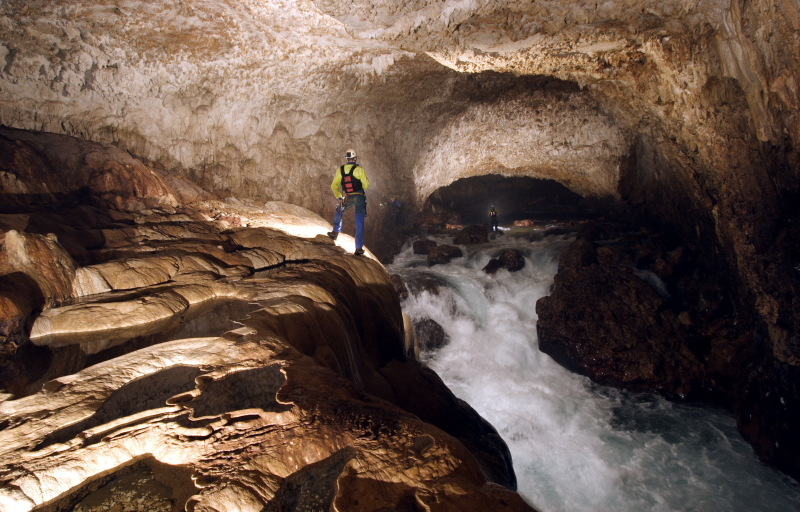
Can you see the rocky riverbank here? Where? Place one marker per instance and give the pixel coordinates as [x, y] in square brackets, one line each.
[230, 356]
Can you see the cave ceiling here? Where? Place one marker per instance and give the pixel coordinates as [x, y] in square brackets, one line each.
[259, 98]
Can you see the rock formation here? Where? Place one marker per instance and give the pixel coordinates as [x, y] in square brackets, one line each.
[423, 246]
[595, 320]
[509, 259]
[430, 334]
[472, 235]
[680, 114]
[224, 356]
[442, 254]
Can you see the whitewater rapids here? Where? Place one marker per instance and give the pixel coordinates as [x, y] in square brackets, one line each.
[577, 446]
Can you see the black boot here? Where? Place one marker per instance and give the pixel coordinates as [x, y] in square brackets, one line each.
[333, 234]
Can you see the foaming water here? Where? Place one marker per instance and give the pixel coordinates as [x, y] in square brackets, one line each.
[578, 446]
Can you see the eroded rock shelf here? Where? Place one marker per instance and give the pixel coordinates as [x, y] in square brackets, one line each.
[232, 357]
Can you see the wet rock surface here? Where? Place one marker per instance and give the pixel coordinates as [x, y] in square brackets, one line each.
[399, 287]
[430, 334]
[472, 235]
[638, 310]
[425, 283]
[608, 323]
[509, 259]
[423, 246]
[221, 355]
[442, 254]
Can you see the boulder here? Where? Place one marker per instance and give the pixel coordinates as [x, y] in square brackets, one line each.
[605, 322]
[493, 266]
[442, 254]
[472, 235]
[578, 254]
[430, 335]
[423, 246]
[399, 286]
[510, 259]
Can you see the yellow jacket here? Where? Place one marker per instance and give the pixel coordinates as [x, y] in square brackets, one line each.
[359, 173]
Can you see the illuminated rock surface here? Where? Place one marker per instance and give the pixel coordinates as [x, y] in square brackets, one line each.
[309, 400]
[682, 114]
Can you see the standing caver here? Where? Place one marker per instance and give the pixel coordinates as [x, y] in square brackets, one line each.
[349, 183]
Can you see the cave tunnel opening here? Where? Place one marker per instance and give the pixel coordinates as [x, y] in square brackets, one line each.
[468, 200]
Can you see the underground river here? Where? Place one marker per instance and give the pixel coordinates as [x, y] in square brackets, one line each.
[576, 446]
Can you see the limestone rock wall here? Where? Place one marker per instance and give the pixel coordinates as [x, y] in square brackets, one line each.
[259, 99]
[256, 99]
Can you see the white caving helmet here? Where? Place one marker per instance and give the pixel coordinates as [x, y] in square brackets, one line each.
[350, 154]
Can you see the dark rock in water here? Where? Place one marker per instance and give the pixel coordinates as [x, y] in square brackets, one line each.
[472, 235]
[494, 234]
[607, 256]
[579, 254]
[605, 322]
[510, 259]
[493, 266]
[442, 254]
[430, 334]
[399, 286]
[423, 246]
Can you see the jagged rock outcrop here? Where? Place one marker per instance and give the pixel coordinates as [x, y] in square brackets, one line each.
[606, 322]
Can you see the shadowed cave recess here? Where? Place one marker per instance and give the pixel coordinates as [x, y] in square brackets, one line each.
[176, 326]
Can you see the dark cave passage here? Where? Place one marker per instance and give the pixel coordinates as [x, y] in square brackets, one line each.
[468, 200]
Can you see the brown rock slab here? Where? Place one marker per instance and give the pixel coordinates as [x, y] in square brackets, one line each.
[45, 261]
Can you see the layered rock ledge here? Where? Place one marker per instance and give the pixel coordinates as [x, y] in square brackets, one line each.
[121, 362]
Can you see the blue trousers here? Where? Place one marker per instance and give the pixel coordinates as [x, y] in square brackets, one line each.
[359, 201]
